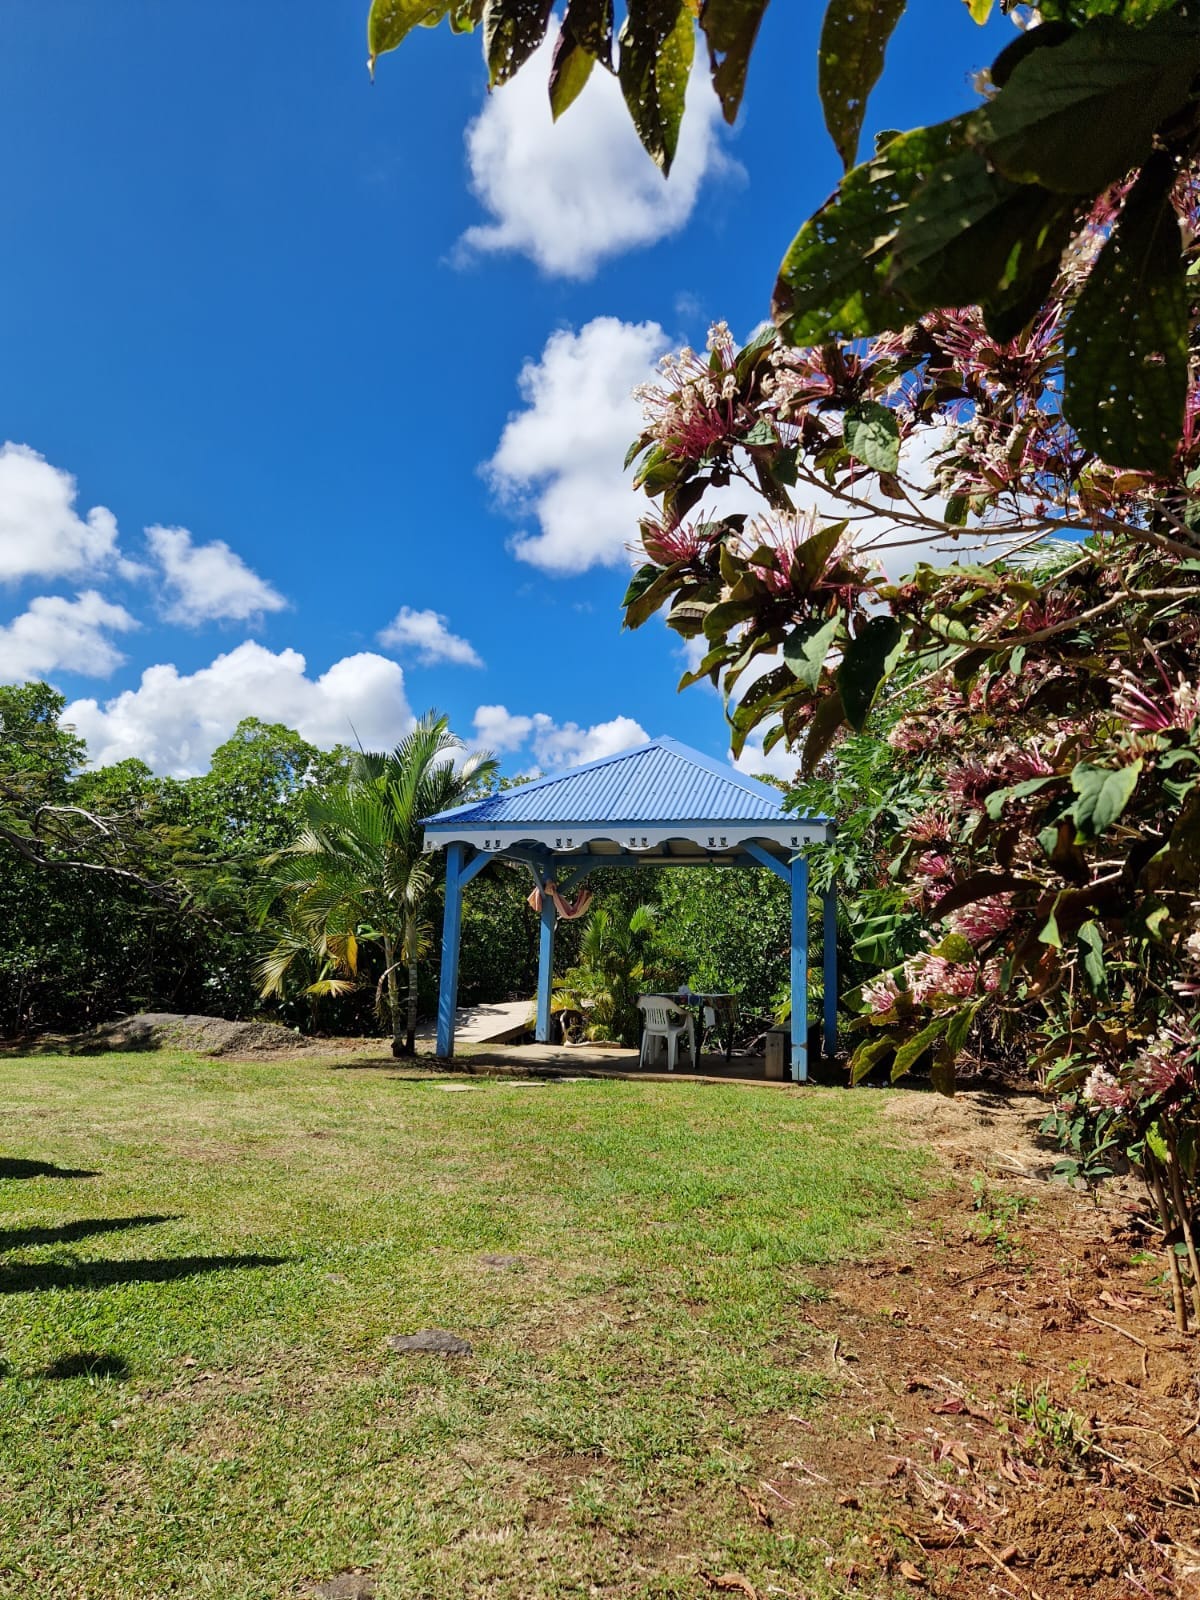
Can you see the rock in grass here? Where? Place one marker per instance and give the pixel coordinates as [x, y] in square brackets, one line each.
[430, 1341]
[344, 1586]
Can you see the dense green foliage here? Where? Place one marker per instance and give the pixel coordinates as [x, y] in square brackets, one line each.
[121, 891]
[142, 893]
[1094, 107]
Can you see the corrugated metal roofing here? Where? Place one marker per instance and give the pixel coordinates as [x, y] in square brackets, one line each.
[659, 782]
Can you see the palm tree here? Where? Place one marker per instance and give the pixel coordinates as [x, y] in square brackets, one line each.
[357, 872]
[619, 958]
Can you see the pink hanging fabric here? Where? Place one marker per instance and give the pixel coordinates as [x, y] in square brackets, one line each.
[568, 910]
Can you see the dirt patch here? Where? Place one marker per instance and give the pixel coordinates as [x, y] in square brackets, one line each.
[169, 1030]
[1018, 1415]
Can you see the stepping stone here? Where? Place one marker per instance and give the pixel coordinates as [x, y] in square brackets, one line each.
[504, 1263]
[457, 1088]
[430, 1341]
[344, 1586]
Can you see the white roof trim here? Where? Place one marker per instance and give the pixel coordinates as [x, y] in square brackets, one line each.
[717, 837]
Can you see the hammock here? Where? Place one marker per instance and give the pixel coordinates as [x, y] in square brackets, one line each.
[568, 910]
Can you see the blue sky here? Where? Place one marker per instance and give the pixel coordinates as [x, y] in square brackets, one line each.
[357, 368]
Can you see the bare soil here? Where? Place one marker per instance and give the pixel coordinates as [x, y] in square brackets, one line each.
[169, 1030]
[1019, 1415]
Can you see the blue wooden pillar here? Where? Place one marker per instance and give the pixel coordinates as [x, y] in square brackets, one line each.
[800, 969]
[829, 954]
[545, 968]
[451, 931]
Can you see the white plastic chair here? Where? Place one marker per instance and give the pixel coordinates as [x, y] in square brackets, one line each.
[663, 1021]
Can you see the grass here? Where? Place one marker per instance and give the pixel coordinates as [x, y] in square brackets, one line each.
[200, 1263]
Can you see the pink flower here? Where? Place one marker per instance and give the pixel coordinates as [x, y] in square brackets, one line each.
[1177, 707]
[669, 541]
[880, 995]
[698, 405]
[982, 919]
[930, 976]
[1102, 1089]
[843, 573]
[1165, 1066]
[972, 782]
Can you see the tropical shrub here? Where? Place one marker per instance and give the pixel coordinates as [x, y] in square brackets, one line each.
[1058, 865]
[620, 958]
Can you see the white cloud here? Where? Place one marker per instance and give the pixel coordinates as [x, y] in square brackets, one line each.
[174, 721]
[568, 745]
[208, 582]
[427, 633]
[498, 729]
[41, 533]
[560, 458]
[55, 633]
[779, 761]
[556, 744]
[573, 193]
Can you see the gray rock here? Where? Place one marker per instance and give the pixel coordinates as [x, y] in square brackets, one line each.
[344, 1586]
[430, 1341]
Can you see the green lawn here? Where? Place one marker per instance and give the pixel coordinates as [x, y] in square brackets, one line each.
[197, 1395]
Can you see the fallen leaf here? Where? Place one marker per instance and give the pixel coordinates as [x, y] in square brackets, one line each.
[759, 1510]
[949, 1408]
[731, 1583]
[1008, 1555]
[911, 1573]
[850, 1501]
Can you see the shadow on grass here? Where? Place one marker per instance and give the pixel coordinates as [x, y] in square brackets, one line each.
[10, 1167]
[85, 1364]
[68, 1232]
[31, 1278]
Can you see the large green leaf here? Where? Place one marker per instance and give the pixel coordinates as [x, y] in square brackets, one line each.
[867, 1055]
[913, 1049]
[833, 279]
[866, 661]
[822, 729]
[1126, 367]
[806, 647]
[873, 435]
[570, 70]
[854, 37]
[389, 22]
[1103, 792]
[971, 235]
[730, 26]
[1077, 116]
[658, 41]
[1091, 942]
[512, 31]
[590, 24]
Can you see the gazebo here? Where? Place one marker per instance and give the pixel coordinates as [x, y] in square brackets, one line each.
[660, 805]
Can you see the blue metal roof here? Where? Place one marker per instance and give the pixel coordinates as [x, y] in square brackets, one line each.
[656, 783]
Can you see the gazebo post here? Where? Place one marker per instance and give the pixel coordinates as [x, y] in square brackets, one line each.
[545, 968]
[800, 968]
[830, 967]
[451, 932]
